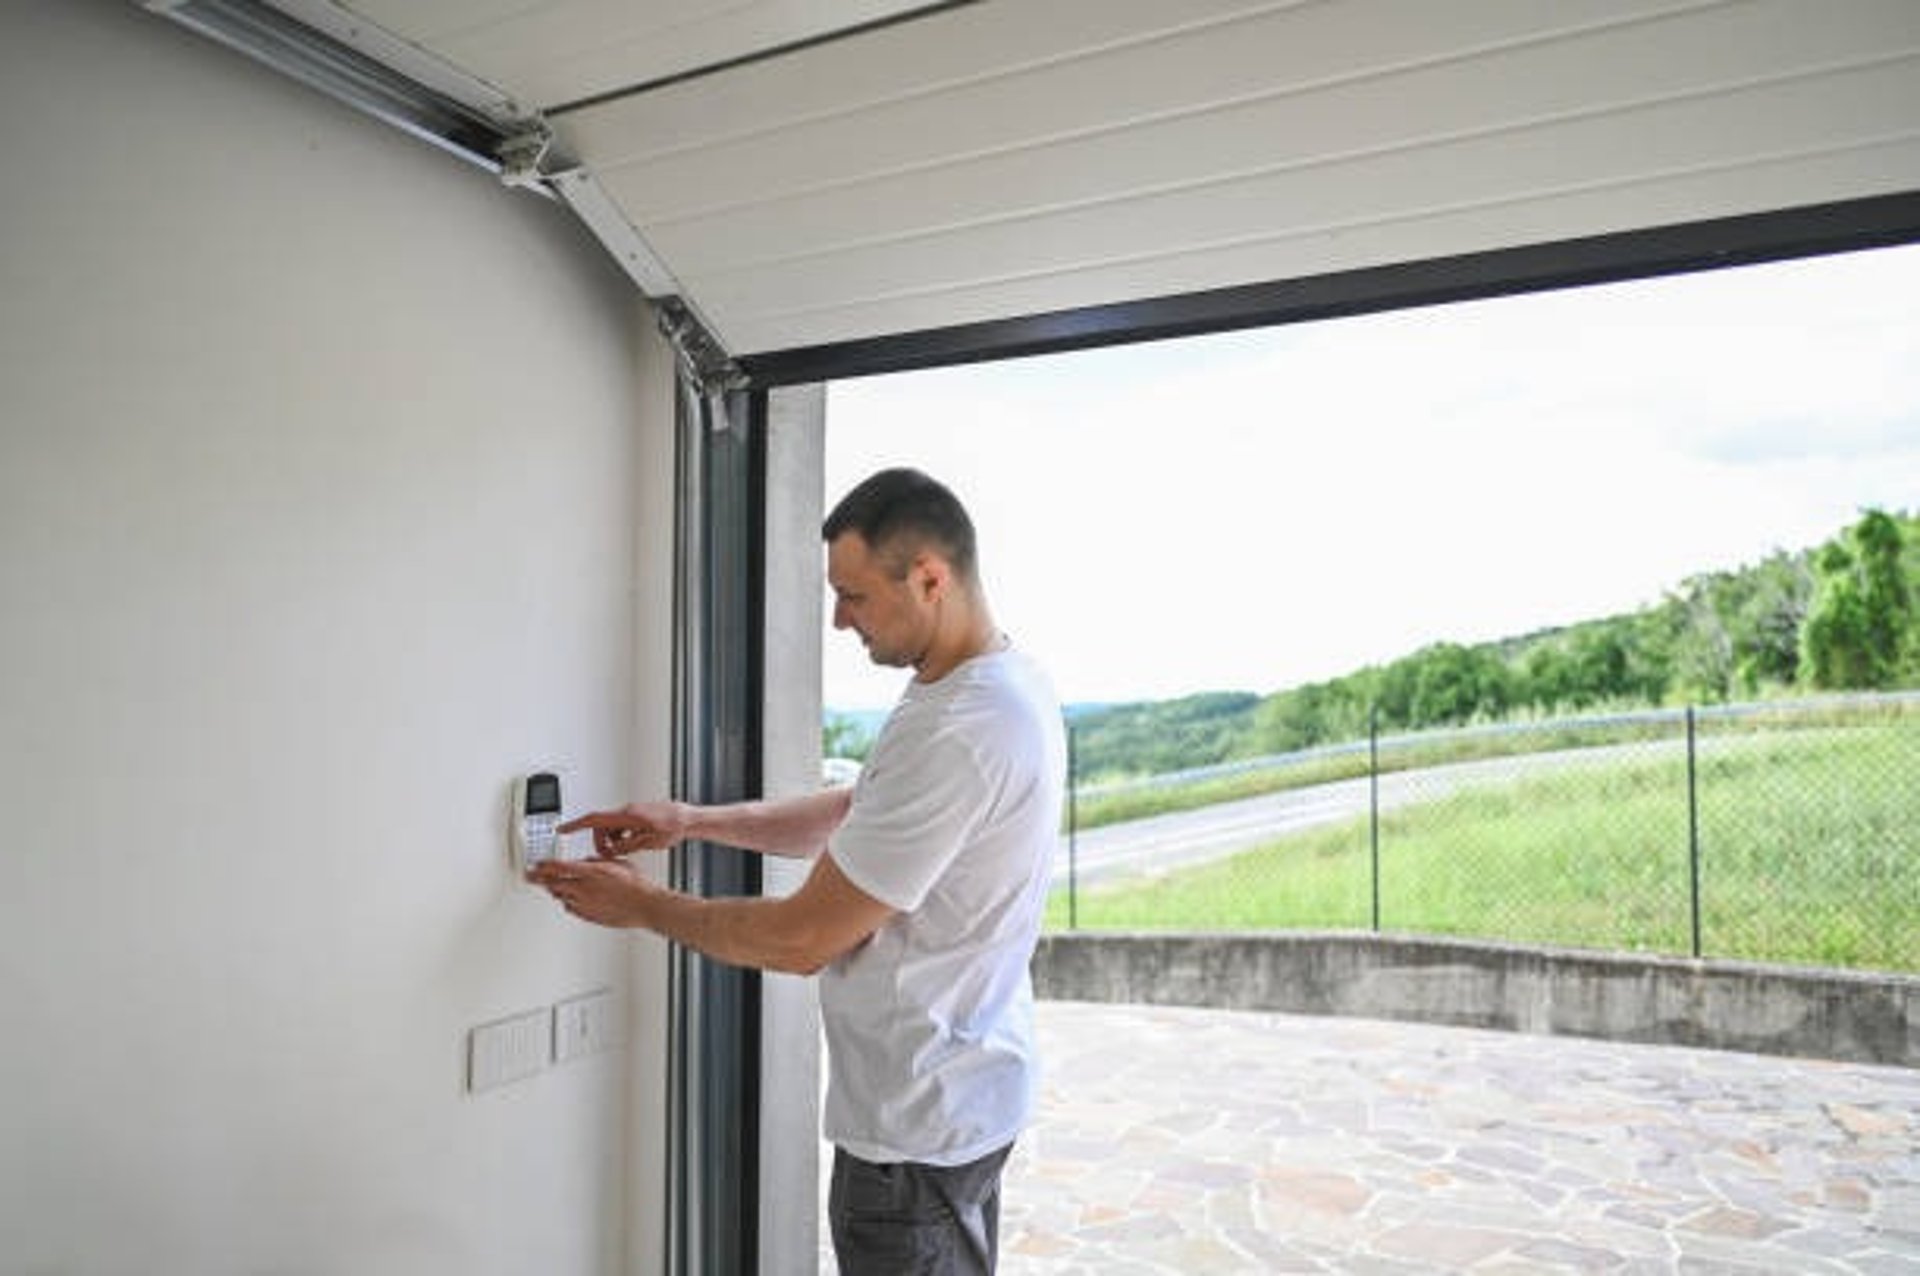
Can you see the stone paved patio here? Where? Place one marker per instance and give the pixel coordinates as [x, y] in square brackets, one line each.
[1203, 1141]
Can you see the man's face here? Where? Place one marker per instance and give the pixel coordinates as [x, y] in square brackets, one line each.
[893, 616]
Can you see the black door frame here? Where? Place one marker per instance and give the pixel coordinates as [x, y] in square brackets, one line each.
[713, 1068]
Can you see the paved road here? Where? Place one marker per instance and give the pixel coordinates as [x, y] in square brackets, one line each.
[1185, 838]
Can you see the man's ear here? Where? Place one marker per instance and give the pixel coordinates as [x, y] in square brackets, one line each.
[931, 575]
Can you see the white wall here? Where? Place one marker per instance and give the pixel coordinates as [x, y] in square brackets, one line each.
[325, 466]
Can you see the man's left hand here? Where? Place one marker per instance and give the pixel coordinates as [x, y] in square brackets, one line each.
[606, 892]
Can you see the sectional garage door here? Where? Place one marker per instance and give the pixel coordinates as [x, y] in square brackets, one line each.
[835, 187]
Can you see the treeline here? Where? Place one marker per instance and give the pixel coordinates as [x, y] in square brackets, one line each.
[1844, 615]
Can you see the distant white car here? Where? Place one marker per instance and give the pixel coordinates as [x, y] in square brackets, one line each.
[838, 772]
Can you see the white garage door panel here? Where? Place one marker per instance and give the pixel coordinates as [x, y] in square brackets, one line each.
[566, 50]
[883, 67]
[1087, 152]
[1003, 158]
[975, 104]
[1537, 219]
[1620, 149]
[1427, 106]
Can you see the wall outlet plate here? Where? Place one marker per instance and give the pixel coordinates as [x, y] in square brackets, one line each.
[585, 1025]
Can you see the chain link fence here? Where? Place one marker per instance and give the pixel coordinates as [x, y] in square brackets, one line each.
[1779, 832]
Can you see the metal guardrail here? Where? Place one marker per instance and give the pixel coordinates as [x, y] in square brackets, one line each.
[1604, 721]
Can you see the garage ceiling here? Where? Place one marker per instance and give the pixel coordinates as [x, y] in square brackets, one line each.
[836, 172]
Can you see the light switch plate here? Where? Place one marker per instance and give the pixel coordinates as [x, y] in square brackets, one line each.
[510, 1050]
[585, 1025]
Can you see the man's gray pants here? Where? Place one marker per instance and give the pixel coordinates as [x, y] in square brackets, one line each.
[908, 1219]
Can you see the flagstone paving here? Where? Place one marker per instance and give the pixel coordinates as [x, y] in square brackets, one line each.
[1203, 1141]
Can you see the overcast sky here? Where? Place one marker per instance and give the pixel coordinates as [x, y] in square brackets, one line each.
[1257, 510]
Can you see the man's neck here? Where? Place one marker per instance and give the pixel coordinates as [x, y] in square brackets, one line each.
[977, 636]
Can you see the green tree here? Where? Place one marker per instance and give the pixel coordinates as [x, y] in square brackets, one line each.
[1454, 684]
[1738, 632]
[1767, 622]
[1857, 628]
[1910, 559]
[843, 737]
[1393, 692]
[1318, 713]
[1627, 658]
[1546, 674]
[1704, 659]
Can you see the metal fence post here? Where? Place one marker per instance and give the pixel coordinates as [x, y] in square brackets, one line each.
[1693, 833]
[1073, 835]
[1373, 804]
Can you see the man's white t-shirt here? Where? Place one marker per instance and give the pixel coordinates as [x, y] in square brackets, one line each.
[954, 822]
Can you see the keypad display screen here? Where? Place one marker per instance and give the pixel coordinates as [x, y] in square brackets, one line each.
[543, 794]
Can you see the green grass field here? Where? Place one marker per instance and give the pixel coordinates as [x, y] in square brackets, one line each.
[1809, 853]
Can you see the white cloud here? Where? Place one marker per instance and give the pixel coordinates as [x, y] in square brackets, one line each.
[1259, 509]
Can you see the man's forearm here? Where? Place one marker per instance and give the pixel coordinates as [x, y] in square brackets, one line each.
[795, 826]
[741, 931]
[826, 917]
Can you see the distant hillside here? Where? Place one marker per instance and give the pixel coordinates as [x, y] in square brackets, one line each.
[1842, 614]
[849, 733]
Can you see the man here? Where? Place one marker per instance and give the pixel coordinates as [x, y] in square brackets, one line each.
[924, 900]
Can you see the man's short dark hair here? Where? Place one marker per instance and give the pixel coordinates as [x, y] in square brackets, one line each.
[897, 512]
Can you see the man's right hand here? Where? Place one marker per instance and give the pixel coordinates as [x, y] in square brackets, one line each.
[638, 826]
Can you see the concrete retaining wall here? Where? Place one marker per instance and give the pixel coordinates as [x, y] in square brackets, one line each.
[1863, 1018]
